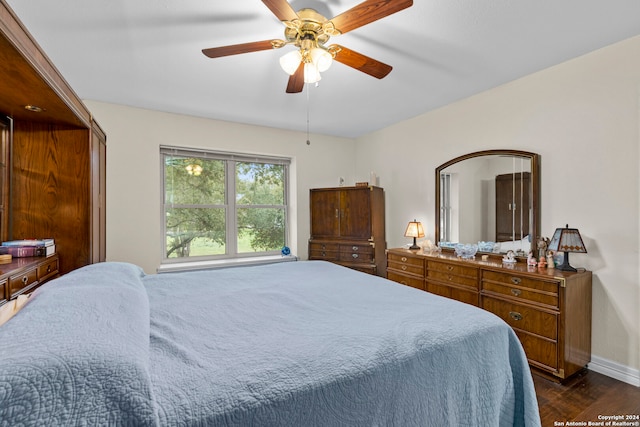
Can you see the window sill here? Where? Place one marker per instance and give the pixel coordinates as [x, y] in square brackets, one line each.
[225, 263]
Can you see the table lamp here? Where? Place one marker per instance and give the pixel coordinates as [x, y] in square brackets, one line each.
[567, 240]
[415, 230]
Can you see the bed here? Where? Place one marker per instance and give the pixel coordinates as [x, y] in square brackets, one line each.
[305, 343]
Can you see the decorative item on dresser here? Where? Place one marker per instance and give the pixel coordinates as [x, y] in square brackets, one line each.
[549, 309]
[347, 227]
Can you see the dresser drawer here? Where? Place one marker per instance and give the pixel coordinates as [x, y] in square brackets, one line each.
[23, 282]
[324, 251]
[450, 278]
[522, 294]
[527, 319]
[509, 279]
[48, 269]
[406, 264]
[3, 291]
[356, 253]
[458, 294]
[455, 269]
[406, 260]
[414, 282]
[541, 352]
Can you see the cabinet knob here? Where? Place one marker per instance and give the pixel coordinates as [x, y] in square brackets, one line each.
[354, 255]
[355, 248]
[516, 280]
[403, 259]
[404, 267]
[449, 268]
[48, 269]
[515, 315]
[25, 279]
[516, 292]
[324, 254]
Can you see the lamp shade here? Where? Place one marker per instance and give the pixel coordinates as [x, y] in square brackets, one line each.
[311, 73]
[415, 230]
[321, 58]
[567, 240]
[290, 61]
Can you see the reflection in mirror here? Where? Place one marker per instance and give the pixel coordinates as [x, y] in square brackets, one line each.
[489, 198]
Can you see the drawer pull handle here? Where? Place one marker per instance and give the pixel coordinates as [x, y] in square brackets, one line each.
[515, 315]
[354, 255]
[324, 254]
[516, 280]
[48, 269]
[516, 292]
[324, 247]
[25, 279]
[404, 259]
[449, 268]
[355, 248]
[404, 267]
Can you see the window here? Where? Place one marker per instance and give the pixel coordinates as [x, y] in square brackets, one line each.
[445, 207]
[222, 205]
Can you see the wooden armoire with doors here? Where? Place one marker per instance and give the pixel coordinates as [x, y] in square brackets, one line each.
[512, 206]
[348, 227]
[54, 180]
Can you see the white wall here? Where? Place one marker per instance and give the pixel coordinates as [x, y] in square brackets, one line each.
[583, 118]
[133, 171]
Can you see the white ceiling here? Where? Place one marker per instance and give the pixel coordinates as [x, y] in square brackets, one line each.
[147, 53]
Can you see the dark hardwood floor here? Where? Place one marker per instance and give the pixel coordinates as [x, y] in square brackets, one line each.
[586, 397]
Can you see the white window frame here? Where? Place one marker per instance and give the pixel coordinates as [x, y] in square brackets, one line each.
[230, 206]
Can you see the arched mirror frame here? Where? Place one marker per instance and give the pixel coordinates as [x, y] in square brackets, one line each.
[535, 186]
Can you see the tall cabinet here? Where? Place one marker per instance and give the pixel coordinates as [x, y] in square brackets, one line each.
[56, 151]
[512, 195]
[347, 227]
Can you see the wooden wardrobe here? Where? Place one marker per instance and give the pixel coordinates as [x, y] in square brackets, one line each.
[347, 227]
[54, 179]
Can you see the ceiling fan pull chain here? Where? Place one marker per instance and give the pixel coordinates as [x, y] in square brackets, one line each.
[308, 141]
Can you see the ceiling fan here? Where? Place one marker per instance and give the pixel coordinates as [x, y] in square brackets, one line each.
[309, 31]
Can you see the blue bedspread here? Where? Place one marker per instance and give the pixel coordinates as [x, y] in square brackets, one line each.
[291, 344]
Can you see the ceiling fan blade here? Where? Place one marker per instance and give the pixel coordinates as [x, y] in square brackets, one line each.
[217, 52]
[367, 12]
[282, 9]
[296, 81]
[361, 62]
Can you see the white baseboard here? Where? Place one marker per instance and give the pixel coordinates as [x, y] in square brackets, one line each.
[615, 370]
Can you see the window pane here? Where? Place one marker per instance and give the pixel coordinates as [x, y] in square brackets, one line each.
[259, 184]
[195, 232]
[260, 229]
[192, 181]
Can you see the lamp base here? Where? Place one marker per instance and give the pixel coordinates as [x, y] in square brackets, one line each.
[565, 264]
[414, 246]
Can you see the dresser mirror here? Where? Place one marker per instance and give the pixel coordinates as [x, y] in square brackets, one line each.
[489, 198]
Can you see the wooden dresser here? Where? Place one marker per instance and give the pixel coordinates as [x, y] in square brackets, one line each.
[347, 227]
[549, 309]
[24, 275]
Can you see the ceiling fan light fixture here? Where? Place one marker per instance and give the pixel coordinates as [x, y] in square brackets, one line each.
[321, 59]
[290, 61]
[311, 73]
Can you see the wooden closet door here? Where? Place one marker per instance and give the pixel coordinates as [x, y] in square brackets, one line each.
[355, 213]
[325, 213]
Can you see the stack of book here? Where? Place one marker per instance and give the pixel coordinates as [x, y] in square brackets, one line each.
[28, 247]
